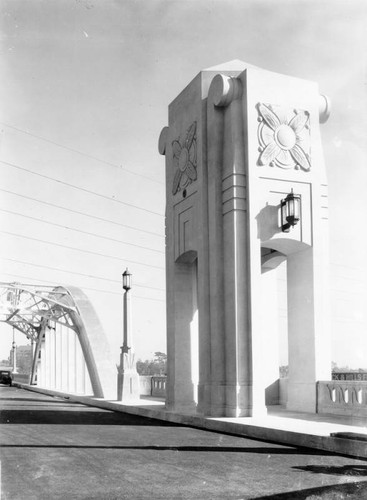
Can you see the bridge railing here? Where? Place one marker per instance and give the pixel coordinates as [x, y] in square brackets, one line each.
[349, 375]
[153, 385]
[23, 378]
[342, 397]
[159, 386]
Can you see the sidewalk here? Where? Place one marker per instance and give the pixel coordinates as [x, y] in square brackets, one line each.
[332, 433]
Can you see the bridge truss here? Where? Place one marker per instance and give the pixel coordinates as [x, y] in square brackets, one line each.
[67, 339]
[28, 308]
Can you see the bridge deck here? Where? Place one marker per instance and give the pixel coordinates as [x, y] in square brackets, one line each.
[323, 432]
[59, 449]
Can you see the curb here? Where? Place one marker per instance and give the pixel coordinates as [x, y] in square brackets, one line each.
[344, 445]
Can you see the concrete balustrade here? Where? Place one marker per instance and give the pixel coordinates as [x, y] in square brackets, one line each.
[159, 386]
[153, 385]
[342, 397]
[349, 376]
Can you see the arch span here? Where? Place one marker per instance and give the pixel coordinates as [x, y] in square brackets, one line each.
[70, 344]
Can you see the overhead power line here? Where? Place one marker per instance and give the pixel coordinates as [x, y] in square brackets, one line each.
[81, 250]
[94, 193]
[354, 268]
[16, 261]
[80, 231]
[102, 219]
[83, 288]
[67, 148]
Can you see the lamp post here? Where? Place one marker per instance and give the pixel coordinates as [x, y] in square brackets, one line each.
[14, 349]
[126, 285]
[128, 378]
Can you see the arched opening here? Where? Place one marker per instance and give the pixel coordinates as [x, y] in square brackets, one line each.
[183, 367]
[274, 325]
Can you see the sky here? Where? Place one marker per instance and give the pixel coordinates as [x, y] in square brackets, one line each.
[84, 94]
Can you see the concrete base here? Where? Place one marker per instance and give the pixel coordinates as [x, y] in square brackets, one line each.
[279, 426]
[128, 386]
[308, 401]
[187, 409]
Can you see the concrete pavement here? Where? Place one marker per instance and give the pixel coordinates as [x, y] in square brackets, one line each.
[321, 432]
[52, 448]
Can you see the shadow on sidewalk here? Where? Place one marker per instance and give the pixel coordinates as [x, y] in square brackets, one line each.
[33, 401]
[345, 470]
[350, 491]
[209, 449]
[77, 416]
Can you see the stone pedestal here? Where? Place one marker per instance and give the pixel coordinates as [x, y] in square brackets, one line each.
[127, 379]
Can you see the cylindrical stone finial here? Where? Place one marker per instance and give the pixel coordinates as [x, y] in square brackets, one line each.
[225, 89]
[324, 108]
[162, 142]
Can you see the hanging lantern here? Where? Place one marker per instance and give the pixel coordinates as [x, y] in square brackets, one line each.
[290, 211]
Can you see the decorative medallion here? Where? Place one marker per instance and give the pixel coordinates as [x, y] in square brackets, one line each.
[284, 137]
[185, 160]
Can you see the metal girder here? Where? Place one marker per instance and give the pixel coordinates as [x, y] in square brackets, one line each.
[26, 307]
[23, 326]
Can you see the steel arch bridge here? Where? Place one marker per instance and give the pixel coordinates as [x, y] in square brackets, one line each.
[70, 351]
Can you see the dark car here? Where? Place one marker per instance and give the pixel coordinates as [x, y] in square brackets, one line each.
[6, 377]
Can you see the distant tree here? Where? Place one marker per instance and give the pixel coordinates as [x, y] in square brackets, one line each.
[155, 366]
[345, 369]
[340, 369]
[24, 366]
[160, 359]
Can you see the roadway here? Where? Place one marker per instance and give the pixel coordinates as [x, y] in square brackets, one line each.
[55, 449]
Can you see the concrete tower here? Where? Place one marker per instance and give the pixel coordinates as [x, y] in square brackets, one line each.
[243, 151]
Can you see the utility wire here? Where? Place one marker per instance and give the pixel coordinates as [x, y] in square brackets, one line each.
[120, 167]
[82, 189]
[80, 231]
[82, 213]
[80, 250]
[84, 287]
[78, 274]
[355, 268]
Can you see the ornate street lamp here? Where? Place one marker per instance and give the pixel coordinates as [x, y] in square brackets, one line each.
[14, 350]
[128, 379]
[290, 211]
[126, 280]
[126, 285]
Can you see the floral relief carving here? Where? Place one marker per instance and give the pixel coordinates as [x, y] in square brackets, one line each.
[185, 160]
[284, 137]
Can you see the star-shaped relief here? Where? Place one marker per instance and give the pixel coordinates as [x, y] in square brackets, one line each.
[185, 160]
[284, 138]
